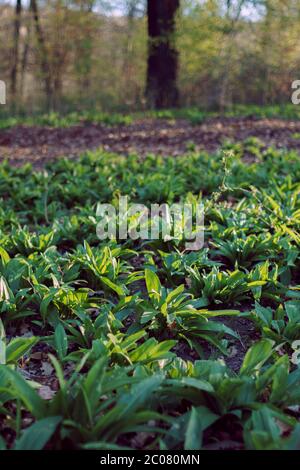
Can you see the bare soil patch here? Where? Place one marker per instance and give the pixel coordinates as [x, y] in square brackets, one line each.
[38, 144]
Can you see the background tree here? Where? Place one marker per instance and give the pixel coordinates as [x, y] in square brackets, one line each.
[81, 54]
[43, 53]
[162, 91]
[15, 52]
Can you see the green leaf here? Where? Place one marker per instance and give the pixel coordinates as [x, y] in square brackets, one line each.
[219, 313]
[256, 356]
[18, 347]
[174, 293]
[103, 446]
[265, 314]
[60, 341]
[2, 444]
[202, 385]
[4, 256]
[93, 381]
[45, 304]
[112, 285]
[139, 394]
[152, 350]
[292, 308]
[38, 434]
[200, 419]
[2, 344]
[88, 250]
[5, 293]
[33, 402]
[153, 284]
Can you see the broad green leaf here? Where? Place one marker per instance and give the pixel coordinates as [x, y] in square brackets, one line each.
[139, 394]
[292, 308]
[153, 284]
[38, 434]
[18, 347]
[256, 356]
[112, 285]
[60, 341]
[200, 419]
[4, 256]
[24, 391]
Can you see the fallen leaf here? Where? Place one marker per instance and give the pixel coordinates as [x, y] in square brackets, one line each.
[46, 392]
[46, 369]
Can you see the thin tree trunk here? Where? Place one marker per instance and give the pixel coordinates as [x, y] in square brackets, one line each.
[15, 54]
[43, 53]
[161, 90]
[229, 52]
[24, 61]
[128, 46]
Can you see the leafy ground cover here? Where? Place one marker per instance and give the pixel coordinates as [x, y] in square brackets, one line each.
[197, 116]
[58, 120]
[193, 115]
[141, 344]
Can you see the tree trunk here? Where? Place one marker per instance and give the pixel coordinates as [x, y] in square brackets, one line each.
[232, 19]
[15, 54]
[43, 53]
[161, 91]
[24, 61]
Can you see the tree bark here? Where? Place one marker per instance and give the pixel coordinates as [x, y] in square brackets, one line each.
[232, 20]
[161, 90]
[46, 71]
[24, 61]
[15, 55]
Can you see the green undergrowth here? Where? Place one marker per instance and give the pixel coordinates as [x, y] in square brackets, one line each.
[193, 115]
[128, 343]
[57, 120]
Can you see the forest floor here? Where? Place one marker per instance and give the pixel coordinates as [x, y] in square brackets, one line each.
[38, 144]
[144, 344]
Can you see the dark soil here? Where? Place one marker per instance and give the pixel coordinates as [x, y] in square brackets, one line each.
[38, 144]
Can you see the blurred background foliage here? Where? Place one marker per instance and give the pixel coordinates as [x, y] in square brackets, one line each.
[93, 54]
